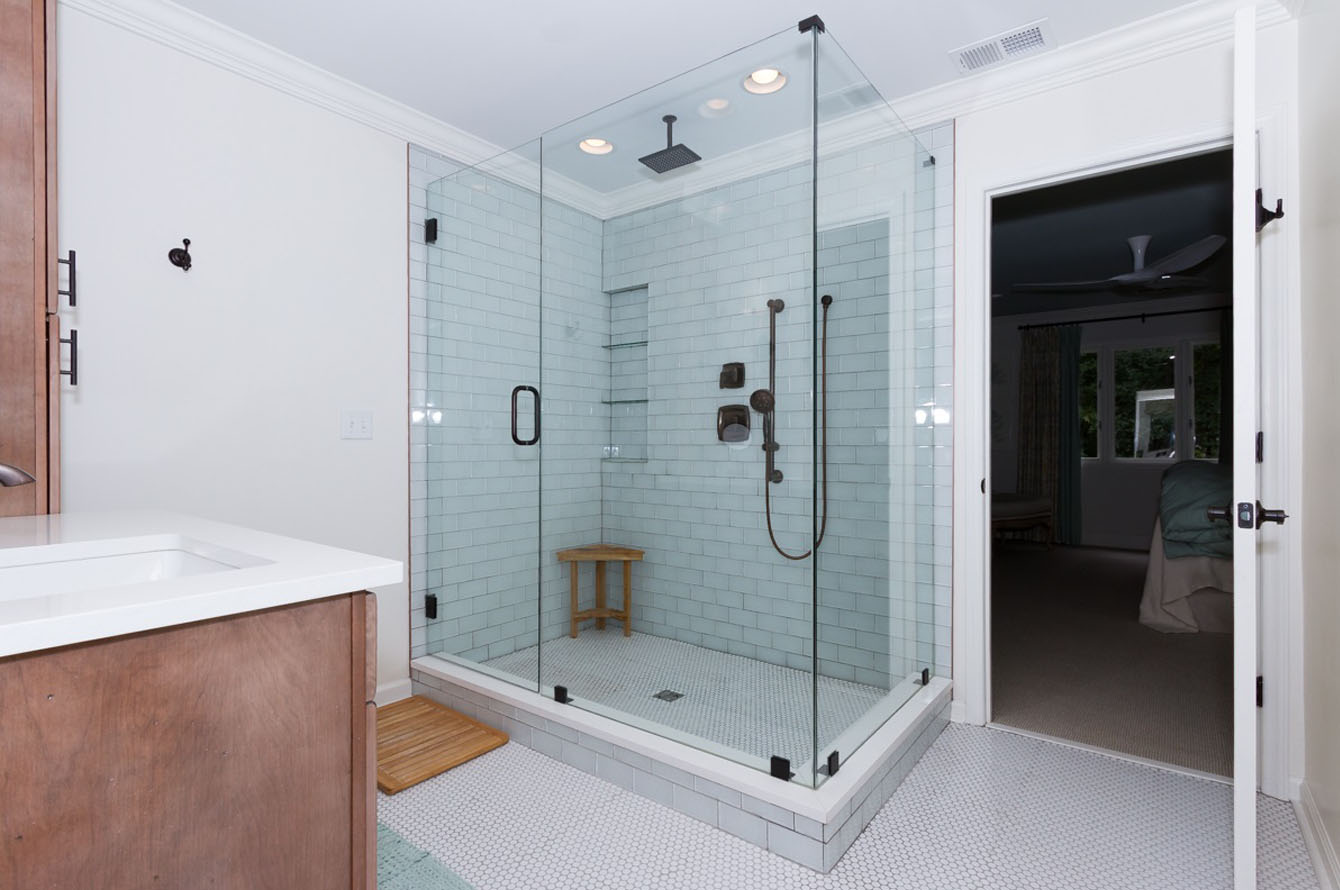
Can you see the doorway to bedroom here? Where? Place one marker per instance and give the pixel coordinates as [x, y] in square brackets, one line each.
[1111, 425]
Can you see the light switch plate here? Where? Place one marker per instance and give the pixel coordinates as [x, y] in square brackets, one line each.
[355, 424]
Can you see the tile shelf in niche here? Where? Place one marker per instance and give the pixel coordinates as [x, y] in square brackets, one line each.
[627, 345]
[623, 401]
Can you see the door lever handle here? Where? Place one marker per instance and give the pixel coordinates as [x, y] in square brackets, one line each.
[1264, 515]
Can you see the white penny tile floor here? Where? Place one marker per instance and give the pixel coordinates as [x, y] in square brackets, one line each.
[984, 809]
[742, 703]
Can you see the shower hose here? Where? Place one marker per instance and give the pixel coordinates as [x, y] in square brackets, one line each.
[823, 450]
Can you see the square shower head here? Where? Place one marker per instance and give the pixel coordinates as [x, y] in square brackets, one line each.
[672, 158]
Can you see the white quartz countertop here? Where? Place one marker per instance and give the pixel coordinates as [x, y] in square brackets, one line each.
[73, 577]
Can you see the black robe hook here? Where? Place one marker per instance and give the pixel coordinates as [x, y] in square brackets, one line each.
[181, 256]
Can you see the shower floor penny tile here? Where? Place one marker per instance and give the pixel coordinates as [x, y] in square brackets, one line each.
[744, 704]
[983, 810]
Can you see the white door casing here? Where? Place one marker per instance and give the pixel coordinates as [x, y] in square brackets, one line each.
[985, 171]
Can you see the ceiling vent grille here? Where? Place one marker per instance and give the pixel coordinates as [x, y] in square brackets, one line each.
[1013, 44]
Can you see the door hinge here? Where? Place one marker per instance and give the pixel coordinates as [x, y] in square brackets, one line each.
[430, 606]
[1260, 691]
[1260, 446]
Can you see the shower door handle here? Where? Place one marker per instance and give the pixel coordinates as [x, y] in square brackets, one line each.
[516, 391]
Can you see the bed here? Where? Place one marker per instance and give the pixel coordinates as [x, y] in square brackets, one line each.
[1189, 581]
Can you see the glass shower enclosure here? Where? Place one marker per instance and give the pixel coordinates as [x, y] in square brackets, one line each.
[688, 327]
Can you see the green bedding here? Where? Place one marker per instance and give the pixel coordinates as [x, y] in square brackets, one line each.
[1189, 488]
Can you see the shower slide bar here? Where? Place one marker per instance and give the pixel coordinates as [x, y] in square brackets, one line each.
[764, 401]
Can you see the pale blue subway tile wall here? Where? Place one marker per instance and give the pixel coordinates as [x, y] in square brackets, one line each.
[710, 263]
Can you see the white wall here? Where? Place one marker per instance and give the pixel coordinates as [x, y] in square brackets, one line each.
[1089, 123]
[217, 392]
[1319, 222]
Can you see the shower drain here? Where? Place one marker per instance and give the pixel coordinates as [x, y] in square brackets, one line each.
[668, 695]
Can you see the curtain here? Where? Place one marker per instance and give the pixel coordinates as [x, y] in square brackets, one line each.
[1068, 513]
[1226, 386]
[1039, 415]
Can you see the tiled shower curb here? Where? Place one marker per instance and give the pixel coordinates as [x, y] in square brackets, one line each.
[811, 827]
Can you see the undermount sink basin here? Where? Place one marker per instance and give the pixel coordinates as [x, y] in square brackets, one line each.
[91, 565]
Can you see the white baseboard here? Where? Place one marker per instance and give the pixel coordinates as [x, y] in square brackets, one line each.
[1319, 844]
[958, 712]
[394, 691]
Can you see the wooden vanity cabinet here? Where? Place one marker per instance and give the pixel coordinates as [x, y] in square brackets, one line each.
[232, 753]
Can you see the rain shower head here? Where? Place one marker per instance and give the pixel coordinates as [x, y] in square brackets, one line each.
[672, 157]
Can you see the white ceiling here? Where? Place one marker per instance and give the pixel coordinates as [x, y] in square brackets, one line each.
[508, 71]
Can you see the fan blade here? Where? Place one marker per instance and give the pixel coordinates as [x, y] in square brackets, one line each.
[1191, 255]
[1074, 287]
[1177, 282]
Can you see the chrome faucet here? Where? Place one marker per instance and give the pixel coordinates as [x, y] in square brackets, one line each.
[11, 476]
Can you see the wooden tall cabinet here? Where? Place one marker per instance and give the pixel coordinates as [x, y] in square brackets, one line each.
[29, 326]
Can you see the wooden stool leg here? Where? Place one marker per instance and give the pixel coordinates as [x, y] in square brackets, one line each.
[600, 593]
[572, 632]
[627, 596]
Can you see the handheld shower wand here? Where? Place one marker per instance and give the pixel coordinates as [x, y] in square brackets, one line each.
[764, 401]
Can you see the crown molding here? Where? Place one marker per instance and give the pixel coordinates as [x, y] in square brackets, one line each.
[1180, 30]
[1171, 33]
[1293, 7]
[208, 40]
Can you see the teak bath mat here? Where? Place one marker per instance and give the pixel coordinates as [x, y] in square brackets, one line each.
[417, 738]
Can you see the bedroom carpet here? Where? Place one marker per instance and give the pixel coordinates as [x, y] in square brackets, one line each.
[1071, 660]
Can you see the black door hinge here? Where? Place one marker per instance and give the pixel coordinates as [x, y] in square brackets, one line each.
[430, 229]
[430, 606]
[1260, 691]
[1260, 447]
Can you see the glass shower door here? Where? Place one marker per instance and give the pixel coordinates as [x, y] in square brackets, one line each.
[475, 415]
[676, 334]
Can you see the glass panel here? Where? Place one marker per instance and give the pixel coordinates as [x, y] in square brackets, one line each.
[655, 280]
[1207, 380]
[481, 488]
[884, 409]
[1088, 404]
[1145, 403]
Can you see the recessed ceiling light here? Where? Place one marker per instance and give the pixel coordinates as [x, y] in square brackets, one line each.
[715, 108]
[594, 146]
[765, 80]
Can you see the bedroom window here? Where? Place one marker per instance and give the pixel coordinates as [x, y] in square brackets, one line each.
[1145, 402]
[1206, 377]
[1088, 404]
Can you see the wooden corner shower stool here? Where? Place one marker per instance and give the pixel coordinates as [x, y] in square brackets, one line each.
[601, 554]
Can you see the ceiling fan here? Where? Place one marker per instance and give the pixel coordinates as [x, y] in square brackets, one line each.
[1159, 275]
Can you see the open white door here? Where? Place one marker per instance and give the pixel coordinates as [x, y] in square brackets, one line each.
[1246, 512]
[1246, 408]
